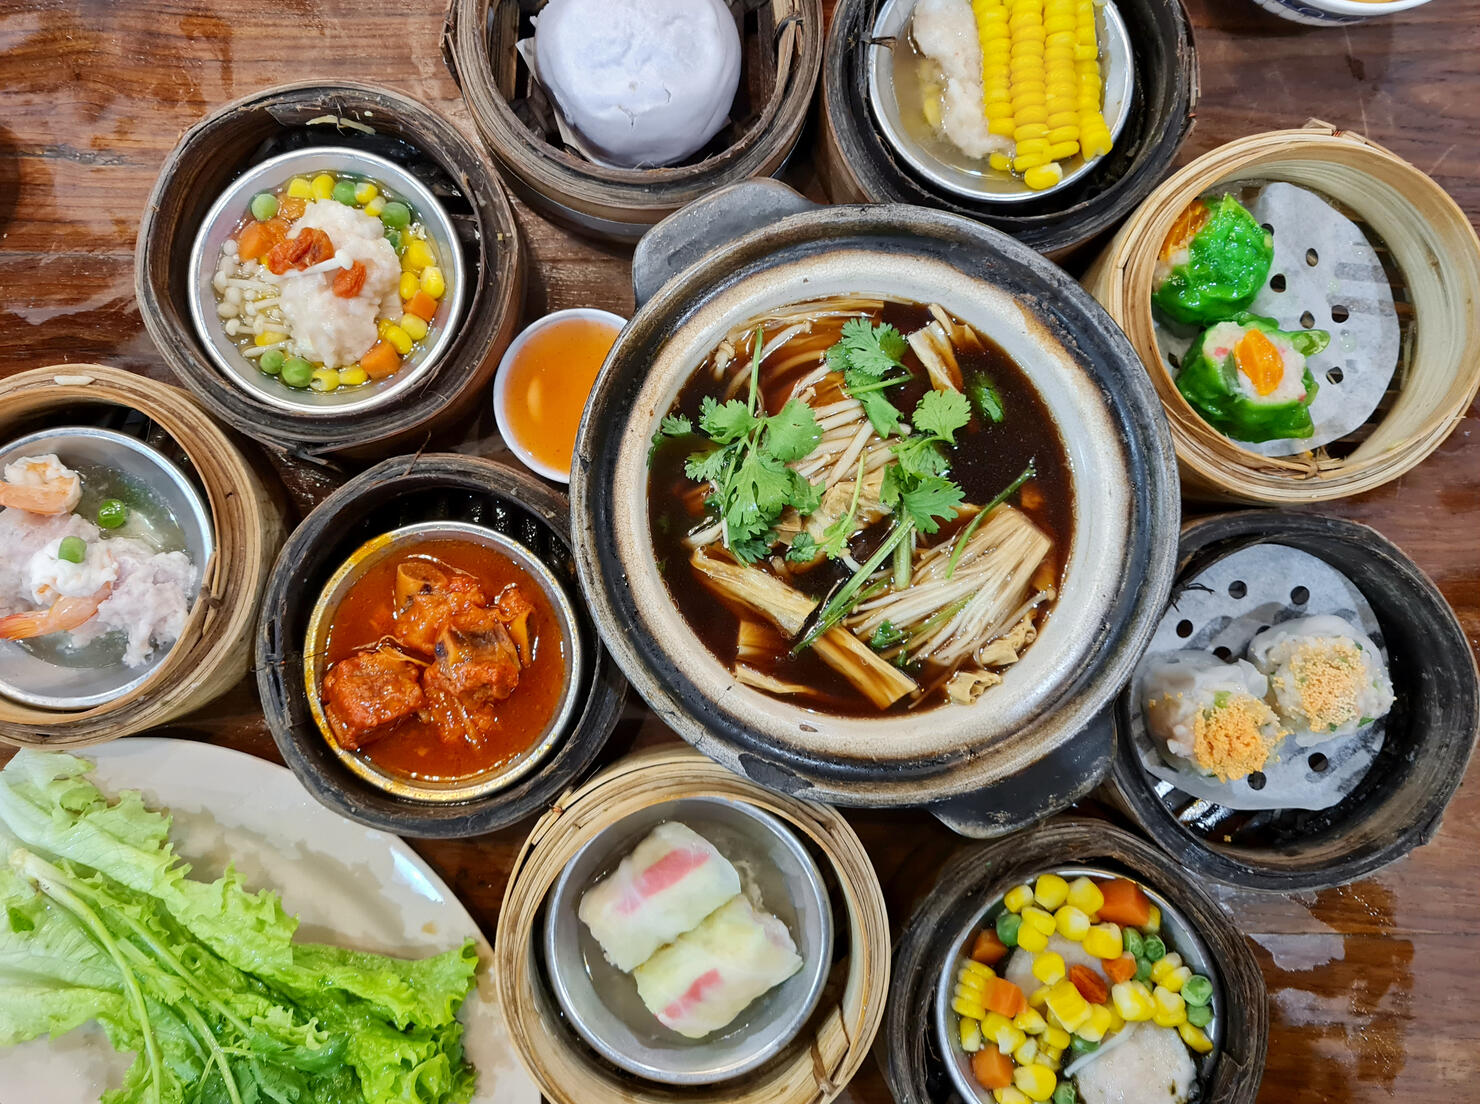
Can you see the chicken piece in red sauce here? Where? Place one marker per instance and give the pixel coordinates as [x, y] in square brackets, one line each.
[366, 694]
[477, 666]
[514, 610]
[428, 596]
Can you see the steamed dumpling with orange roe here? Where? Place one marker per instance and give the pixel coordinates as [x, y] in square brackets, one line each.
[1326, 677]
[641, 82]
[1210, 714]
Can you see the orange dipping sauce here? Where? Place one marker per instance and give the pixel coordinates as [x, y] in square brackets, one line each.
[548, 379]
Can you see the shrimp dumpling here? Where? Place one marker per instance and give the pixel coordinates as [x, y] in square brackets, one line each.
[1326, 677]
[1210, 714]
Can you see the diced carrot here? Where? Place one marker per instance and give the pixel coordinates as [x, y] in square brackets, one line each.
[1090, 987]
[991, 1068]
[1125, 904]
[1259, 358]
[988, 948]
[349, 281]
[292, 207]
[382, 360]
[422, 305]
[1119, 969]
[1003, 997]
[257, 238]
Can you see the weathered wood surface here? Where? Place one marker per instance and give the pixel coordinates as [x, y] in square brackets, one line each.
[1372, 986]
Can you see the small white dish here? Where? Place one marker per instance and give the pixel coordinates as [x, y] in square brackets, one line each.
[501, 382]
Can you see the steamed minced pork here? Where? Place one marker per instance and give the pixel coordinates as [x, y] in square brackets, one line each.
[326, 327]
[1149, 1066]
[1211, 714]
[945, 31]
[1326, 677]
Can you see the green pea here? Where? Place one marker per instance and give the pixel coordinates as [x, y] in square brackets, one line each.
[397, 240]
[1199, 1015]
[264, 206]
[297, 372]
[1132, 939]
[1007, 928]
[1153, 948]
[344, 192]
[1082, 1046]
[1143, 969]
[72, 549]
[1063, 1093]
[112, 513]
[1197, 990]
[396, 215]
[271, 361]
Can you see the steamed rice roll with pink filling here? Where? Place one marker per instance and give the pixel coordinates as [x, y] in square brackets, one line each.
[1210, 714]
[708, 976]
[1326, 677]
[671, 881]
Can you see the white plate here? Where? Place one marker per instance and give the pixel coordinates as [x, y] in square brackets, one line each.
[349, 885]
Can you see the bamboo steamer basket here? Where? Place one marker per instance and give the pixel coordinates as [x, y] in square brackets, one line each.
[816, 1065]
[213, 651]
[781, 56]
[377, 120]
[1435, 251]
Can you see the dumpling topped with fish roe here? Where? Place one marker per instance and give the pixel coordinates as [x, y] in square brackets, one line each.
[1326, 677]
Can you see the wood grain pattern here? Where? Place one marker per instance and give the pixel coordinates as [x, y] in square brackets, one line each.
[1373, 986]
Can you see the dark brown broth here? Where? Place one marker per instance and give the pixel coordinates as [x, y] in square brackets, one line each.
[986, 459]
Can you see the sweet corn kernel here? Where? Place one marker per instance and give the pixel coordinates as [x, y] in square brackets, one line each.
[432, 282]
[322, 186]
[1086, 896]
[1033, 114]
[970, 996]
[417, 256]
[375, 206]
[1003, 128]
[1022, 134]
[352, 376]
[1040, 177]
[965, 1006]
[1195, 1037]
[1049, 967]
[1026, 1053]
[1104, 941]
[269, 337]
[410, 284]
[1117, 1021]
[1164, 966]
[1068, 1005]
[1055, 1038]
[1031, 939]
[1133, 1001]
[414, 326]
[1062, 151]
[1010, 1095]
[994, 1023]
[382, 325]
[1009, 1038]
[1173, 980]
[1171, 1009]
[365, 192]
[300, 188]
[971, 1035]
[1031, 1021]
[1036, 1081]
[965, 979]
[1038, 998]
[1095, 1028]
[1000, 162]
[1153, 922]
[324, 379]
[1039, 918]
[1071, 922]
[402, 342]
[980, 969]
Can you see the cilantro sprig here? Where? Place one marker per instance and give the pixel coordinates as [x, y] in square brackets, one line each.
[871, 361]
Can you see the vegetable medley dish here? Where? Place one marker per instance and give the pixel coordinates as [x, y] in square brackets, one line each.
[330, 281]
[1071, 992]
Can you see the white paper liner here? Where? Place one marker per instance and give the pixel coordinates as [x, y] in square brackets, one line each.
[1353, 372]
[1269, 573]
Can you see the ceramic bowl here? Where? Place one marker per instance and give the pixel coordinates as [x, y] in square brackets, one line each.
[227, 212]
[53, 683]
[602, 1003]
[1335, 13]
[316, 646]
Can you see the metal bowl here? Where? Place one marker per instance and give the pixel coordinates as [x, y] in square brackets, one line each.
[940, 162]
[316, 648]
[1177, 932]
[222, 219]
[601, 1002]
[38, 681]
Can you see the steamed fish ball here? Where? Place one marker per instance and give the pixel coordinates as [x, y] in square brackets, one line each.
[1149, 1066]
[1211, 714]
[643, 82]
[1326, 676]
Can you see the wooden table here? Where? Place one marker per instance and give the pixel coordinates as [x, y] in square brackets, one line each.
[1372, 986]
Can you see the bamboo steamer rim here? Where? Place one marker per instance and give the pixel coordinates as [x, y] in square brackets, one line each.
[210, 655]
[1429, 237]
[618, 194]
[834, 1044]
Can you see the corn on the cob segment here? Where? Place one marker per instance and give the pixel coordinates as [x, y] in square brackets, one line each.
[1041, 87]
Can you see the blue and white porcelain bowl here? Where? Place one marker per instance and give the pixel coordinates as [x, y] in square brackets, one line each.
[1335, 13]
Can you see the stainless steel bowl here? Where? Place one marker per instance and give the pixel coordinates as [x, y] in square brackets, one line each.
[940, 162]
[601, 1002]
[38, 681]
[1179, 937]
[316, 648]
[223, 217]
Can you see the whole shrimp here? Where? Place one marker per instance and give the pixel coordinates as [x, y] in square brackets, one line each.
[63, 615]
[40, 485]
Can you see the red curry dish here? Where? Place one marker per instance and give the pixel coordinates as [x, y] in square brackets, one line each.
[444, 662]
